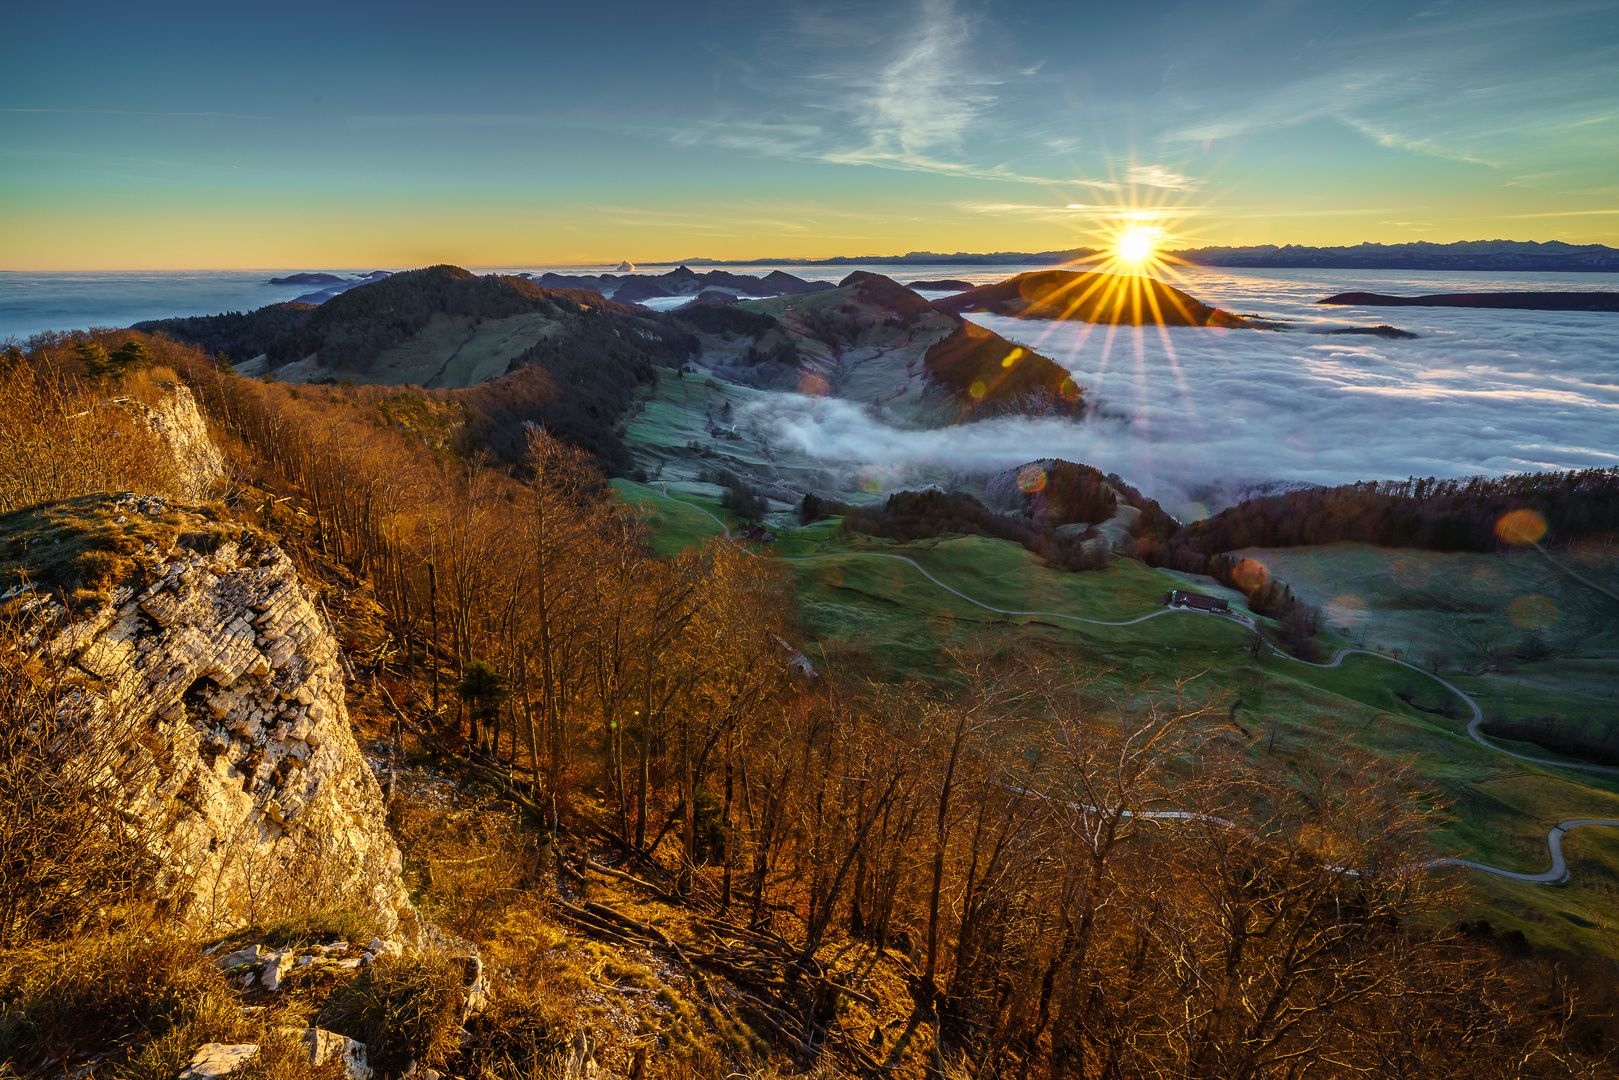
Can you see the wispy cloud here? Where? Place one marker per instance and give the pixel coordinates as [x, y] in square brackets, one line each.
[1159, 177]
[1119, 212]
[765, 139]
[923, 102]
[1415, 145]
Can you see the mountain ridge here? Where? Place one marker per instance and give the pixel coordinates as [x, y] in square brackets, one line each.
[1477, 255]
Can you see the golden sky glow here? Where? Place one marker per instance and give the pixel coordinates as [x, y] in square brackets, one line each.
[791, 130]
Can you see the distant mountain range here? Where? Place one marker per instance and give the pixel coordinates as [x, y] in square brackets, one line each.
[1475, 255]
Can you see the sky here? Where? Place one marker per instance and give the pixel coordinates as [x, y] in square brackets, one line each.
[172, 136]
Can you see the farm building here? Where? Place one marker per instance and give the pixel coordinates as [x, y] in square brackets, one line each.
[1197, 601]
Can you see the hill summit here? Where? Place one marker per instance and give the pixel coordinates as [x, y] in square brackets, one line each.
[1096, 298]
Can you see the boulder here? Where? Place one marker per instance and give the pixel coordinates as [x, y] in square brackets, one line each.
[581, 1064]
[250, 955]
[218, 1059]
[277, 965]
[324, 1046]
[479, 992]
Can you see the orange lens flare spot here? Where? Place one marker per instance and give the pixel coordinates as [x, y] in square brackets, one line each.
[1069, 389]
[1348, 611]
[1532, 612]
[1520, 527]
[1250, 574]
[1031, 478]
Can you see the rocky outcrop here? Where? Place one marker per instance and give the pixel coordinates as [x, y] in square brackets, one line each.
[199, 466]
[210, 662]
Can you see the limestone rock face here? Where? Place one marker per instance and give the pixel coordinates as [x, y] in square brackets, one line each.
[199, 465]
[213, 663]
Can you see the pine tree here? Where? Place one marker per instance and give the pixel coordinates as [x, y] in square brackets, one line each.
[97, 364]
[131, 356]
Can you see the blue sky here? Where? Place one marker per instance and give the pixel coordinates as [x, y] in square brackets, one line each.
[359, 134]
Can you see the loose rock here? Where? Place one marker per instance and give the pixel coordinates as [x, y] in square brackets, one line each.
[218, 1059]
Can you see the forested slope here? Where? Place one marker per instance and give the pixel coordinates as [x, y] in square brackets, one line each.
[1437, 514]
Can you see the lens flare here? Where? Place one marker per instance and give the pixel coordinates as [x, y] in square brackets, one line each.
[1521, 527]
[1250, 574]
[1347, 611]
[1532, 612]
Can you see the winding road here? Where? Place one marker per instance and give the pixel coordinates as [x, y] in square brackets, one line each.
[1554, 837]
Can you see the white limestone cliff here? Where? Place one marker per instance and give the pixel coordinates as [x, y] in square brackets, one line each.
[211, 659]
[199, 467]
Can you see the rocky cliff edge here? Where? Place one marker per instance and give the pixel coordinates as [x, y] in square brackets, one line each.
[193, 643]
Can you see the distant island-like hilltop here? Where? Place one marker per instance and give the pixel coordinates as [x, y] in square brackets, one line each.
[1476, 255]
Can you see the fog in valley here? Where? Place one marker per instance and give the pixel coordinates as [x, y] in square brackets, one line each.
[1199, 418]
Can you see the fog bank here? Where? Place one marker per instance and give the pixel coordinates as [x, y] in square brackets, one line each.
[1197, 415]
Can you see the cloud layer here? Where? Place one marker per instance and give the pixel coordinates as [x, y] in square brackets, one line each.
[1204, 415]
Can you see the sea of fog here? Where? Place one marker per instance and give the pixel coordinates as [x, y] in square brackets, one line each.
[1195, 417]
[1200, 418]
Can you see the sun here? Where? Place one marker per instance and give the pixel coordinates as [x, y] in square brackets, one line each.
[1136, 245]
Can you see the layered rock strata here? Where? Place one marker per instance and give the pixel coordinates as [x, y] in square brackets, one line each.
[199, 465]
[210, 664]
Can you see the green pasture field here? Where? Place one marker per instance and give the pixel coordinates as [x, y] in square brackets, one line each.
[883, 617]
[674, 524]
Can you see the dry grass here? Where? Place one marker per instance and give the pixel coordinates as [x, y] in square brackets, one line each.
[404, 1009]
[58, 439]
[138, 1006]
[472, 868]
[64, 858]
[75, 548]
[308, 928]
[521, 1035]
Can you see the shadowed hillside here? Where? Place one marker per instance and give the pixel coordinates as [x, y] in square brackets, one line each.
[988, 375]
[348, 333]
[1523, 301]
